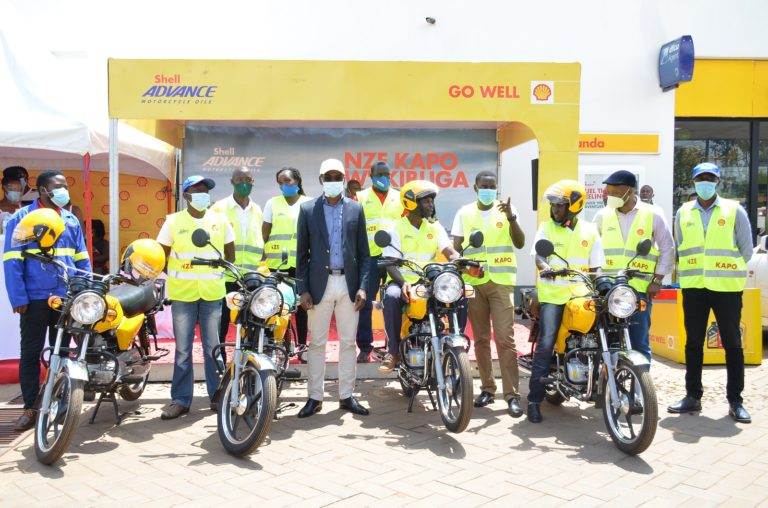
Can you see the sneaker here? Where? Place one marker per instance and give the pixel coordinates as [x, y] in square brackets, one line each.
[389, 363]
[173, 410]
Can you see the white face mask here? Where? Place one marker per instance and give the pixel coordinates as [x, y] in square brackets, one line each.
[333, 189]
[614, 203]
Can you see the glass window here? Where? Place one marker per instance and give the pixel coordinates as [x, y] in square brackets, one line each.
[724, 142]
[762, 174]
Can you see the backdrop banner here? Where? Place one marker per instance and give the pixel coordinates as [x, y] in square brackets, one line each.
[451, 158]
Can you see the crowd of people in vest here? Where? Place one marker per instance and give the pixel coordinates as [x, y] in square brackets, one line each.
[331, 249]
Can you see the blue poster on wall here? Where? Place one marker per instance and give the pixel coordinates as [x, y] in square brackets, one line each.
[448, 157]
[676, 63]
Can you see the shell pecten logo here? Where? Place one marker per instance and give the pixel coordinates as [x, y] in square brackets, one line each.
[542, 92]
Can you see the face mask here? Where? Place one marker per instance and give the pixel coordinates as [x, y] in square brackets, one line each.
[649, 200]
[614, 203]
[199, 200]
[23, 182]
[381, 182]
[243, 189]
[333, 189]
[705, 190]
[13, 196]
[486, 196]
[289, 190]
[59, 197]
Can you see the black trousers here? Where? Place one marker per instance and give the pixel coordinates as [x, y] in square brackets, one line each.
[301, 315]
[727, 309]
[34, 324]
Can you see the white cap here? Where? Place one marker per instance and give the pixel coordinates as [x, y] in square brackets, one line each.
[331, 165]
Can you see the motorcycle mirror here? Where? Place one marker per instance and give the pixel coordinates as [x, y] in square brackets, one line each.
[284, 257]
[644, 247]
[544, 248]
[476, 239]
[200, 238]
[382, 238]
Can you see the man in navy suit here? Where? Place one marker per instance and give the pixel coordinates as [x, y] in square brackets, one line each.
[332, 260]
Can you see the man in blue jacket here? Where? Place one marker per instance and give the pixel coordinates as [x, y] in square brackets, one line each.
[29, 285]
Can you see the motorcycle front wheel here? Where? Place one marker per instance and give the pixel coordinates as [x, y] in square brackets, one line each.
[632, 425]
[55, 429]
[242, 429]
[455, 401]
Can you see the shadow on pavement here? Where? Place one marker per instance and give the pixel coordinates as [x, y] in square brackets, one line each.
[690, 428]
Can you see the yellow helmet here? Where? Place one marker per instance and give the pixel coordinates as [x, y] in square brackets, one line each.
[146, 256]
[568, 192]
[43, 226]
[415, 190]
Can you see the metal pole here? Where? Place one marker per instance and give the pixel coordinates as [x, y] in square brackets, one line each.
[114, 198]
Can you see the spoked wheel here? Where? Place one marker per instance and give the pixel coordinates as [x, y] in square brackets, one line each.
[54, 430]
[280, 359]
[455, 402]
[243, 428]
[134, 391]
[553, 396]
[632, 425]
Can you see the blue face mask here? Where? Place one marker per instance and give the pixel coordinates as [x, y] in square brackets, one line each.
[705, 190]
[381, 182]
[59, 197]
[199, 200]
[289, 190]
[486, 196]
[13, 196]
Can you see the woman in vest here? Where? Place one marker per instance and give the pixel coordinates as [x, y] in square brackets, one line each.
[576, 241]
[281, 217]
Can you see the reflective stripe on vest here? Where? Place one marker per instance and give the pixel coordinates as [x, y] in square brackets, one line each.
[420, 247]
[379, 215]
[710, 260]
[618, 252]
[187, 283]
[285, 219]
[574, 246]
[248, 250]
[497, 250]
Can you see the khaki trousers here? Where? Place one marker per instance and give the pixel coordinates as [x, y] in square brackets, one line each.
[495, 303]
[335, 302]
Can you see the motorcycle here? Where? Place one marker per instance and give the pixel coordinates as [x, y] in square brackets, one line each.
[432, 347]
[250, 384]
[593, 360]
[111, 329]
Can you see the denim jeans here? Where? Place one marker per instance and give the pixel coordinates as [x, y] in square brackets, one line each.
[549, 324]
[185, 316]
[35, 323]
[365, 324]
[639, 325]
[393, 317]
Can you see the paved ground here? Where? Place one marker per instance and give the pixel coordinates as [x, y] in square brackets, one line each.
[391, 458]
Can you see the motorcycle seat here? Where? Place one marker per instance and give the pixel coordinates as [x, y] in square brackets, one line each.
[135, 300]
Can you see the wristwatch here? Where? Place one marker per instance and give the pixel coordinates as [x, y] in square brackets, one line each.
[512, 218]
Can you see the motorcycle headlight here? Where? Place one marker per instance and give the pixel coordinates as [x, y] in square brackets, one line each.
[447, 287]
[266, 302]
[622, 302]
[88, 307]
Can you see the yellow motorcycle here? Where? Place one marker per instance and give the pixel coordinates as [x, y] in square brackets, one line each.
[102, 345]
[593, 360]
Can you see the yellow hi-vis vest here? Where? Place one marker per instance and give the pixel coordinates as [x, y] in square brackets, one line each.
[710, 260]
[285, 220]
[575, 247]
[248, 250]
[497, 250]
[420, 247]
[379, 215]
[187, 283]
[618, 252]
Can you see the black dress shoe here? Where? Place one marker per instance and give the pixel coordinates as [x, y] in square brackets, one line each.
[534, 412]
[353, 406]
[311, 407]
[687, 405]
[364, 357]
[484, 399]
[739, 414]
[514, 409]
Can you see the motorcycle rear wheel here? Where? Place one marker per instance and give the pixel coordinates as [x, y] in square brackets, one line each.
[637, 396]
[54, 430]
[455, 401]
[134, 391]
[242, 434]
[554, 397]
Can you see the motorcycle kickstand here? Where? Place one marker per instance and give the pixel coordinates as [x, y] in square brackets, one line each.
[110, 397]
[432, 400]
[283, 407]
[410, 401]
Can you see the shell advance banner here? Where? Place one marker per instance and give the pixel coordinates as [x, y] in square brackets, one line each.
[450, 158]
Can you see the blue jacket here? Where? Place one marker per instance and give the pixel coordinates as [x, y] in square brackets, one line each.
[28, 279]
